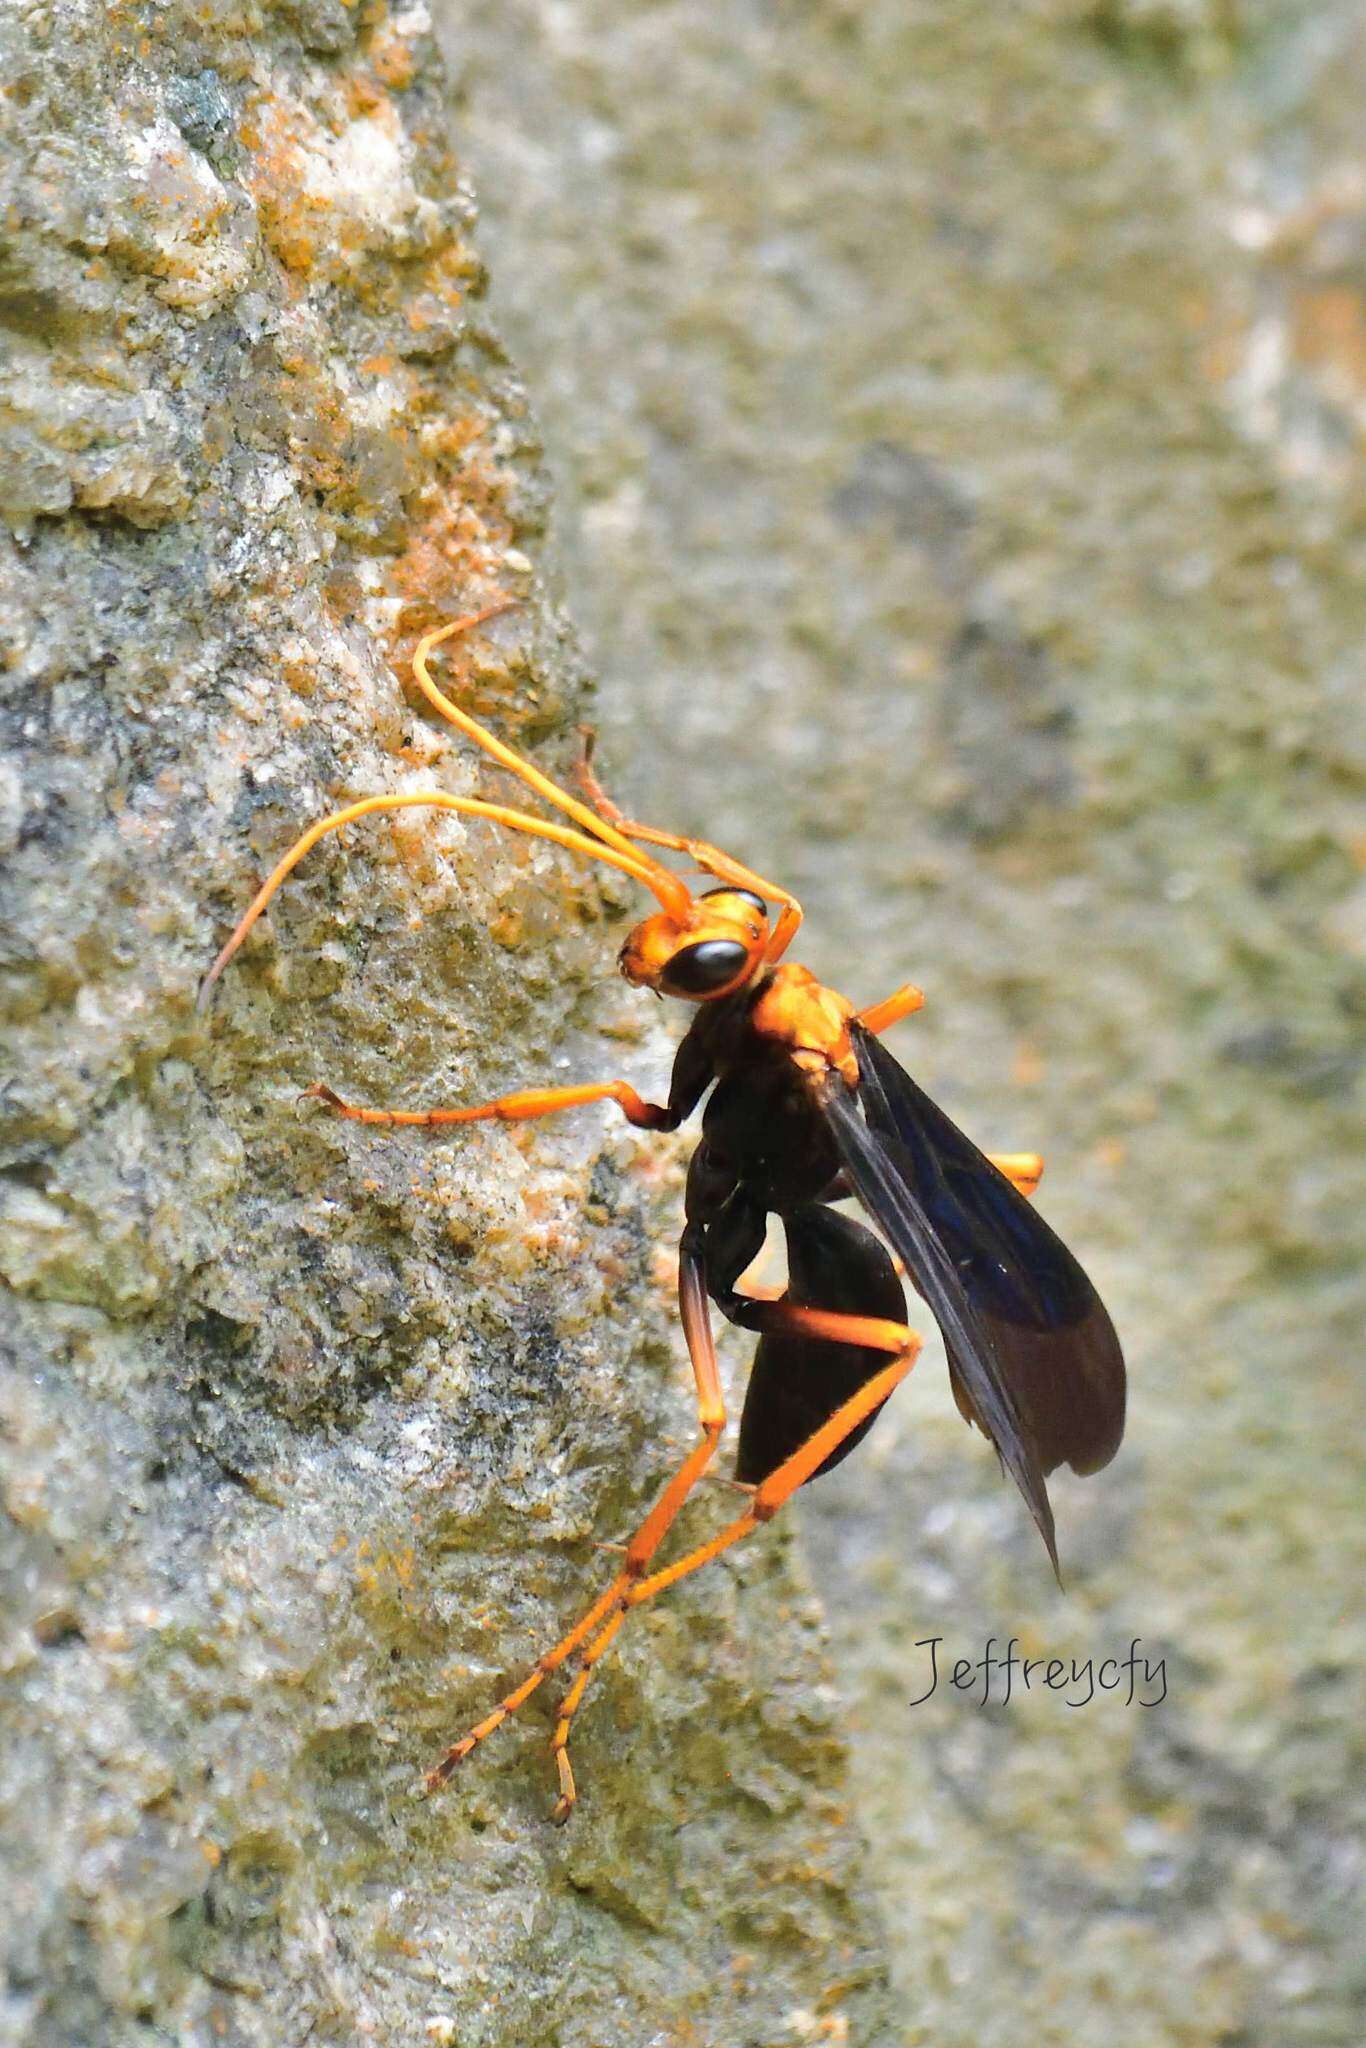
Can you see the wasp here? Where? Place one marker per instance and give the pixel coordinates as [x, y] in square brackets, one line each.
[805, 1108]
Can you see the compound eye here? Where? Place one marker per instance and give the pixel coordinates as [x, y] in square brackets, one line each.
[745, 895]
[702, 969]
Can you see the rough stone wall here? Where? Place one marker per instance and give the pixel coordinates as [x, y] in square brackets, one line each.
[962, 408]
[306, 1431]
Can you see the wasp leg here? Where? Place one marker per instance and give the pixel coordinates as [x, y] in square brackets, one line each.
[772, 1317]
[775, 1316]
[1024, 1170]
[569, 1706]
[904, 1002]
[709, 858]
[609, 1606]
[511, 1109]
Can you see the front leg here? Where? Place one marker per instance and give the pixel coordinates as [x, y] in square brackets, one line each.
[594, 1631]
[520, 1107]
[692, 1074]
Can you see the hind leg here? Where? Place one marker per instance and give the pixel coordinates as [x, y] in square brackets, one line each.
[771, 1318]
[606, 1611]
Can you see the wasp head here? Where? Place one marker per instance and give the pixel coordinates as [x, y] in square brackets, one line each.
[711, 953]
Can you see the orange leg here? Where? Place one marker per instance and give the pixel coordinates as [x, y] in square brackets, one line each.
[1023, 1170]
[569, 1706]
[711, 1416]
[781, 1484]
[709, 858]
[511, 1109]
[879, 1017]
[767, 1497]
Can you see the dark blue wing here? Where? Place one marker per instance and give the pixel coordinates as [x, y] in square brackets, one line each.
[1032, 1353]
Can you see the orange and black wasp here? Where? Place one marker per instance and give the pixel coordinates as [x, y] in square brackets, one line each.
[806, 1108]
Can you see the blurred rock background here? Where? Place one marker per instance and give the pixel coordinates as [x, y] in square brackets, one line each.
[957, 415]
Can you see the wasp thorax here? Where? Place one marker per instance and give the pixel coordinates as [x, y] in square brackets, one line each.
[712, 953]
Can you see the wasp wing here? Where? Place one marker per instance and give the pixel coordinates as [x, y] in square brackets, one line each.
[884, 1184]
[1032, 1353]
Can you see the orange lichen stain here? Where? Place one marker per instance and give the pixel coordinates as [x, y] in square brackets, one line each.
[393, 57]
[258, 1781]
[420, 749]
[322, 468]
[507, 929]
[364, 95]
[211, 1853]
[340, 1542]
[299, 667]
[452, 558]
[446, 279]
[416, 848]
[318, 185]
[111, 1639]
[278, 136]
[375, 1568]
[295, 363]
[612, 1268]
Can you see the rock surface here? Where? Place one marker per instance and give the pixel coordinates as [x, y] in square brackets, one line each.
[307, 1431]
[962, 410]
